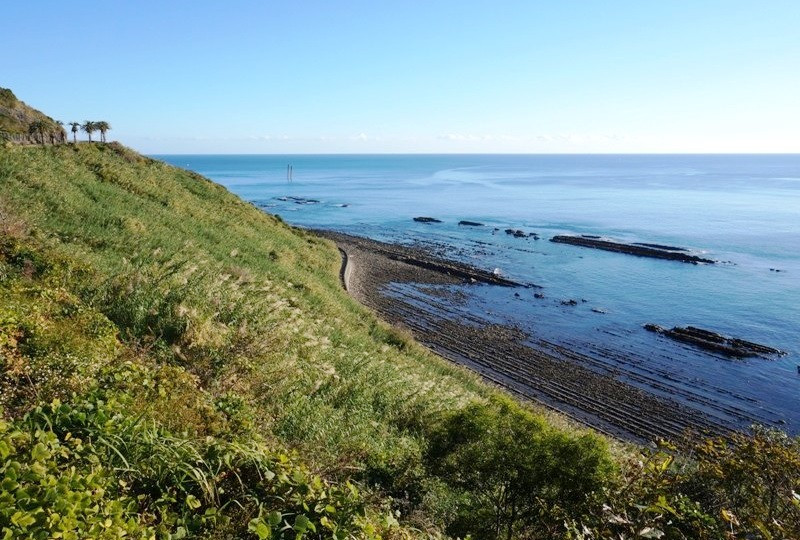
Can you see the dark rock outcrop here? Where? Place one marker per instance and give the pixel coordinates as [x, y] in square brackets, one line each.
[714, 342]
[470, 223]
[639, 250]
[297, 200]
[424, 219]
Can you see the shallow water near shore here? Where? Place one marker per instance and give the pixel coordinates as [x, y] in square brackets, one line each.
[741, 210]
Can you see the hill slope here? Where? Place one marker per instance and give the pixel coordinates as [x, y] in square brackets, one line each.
[248, 310]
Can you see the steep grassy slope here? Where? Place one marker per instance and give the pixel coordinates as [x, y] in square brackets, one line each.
[247, 304]
[85, 457]
[175, 362]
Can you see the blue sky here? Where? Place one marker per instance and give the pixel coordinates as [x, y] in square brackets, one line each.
[432, 76]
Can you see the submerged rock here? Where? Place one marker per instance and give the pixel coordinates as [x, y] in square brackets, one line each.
[470, 223]
[297, 200]
[424, 219]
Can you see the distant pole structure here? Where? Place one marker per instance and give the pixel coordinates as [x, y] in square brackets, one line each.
[289, 172]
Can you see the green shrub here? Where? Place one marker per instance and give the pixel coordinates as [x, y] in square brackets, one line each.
[58, 487]
[741, 486]
[516, 475]
[51, 343]
[752, 482]
[87, 469]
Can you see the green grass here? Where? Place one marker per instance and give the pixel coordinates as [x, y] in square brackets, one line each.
[221, 383]
[243, 301]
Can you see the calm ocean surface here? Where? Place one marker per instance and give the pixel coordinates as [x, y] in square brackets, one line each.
[742, 209]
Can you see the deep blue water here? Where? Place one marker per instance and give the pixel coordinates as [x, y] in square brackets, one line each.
[741, 209]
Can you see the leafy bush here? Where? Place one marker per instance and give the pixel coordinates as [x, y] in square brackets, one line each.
[51, 343]
[742, 486]
[58, 487]
[647, 502]
[514, 474]
[88, 469]
[751, 481]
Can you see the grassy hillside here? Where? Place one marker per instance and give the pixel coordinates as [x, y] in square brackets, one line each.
[249, 306]
[176, 362]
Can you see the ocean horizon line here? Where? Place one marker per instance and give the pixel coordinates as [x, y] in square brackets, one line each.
[560, 154]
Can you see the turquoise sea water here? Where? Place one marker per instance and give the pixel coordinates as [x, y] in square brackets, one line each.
[743, 210]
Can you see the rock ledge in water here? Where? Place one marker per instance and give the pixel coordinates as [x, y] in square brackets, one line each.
[516, 233]
[424, 219]
[714, 342]
[640, 250]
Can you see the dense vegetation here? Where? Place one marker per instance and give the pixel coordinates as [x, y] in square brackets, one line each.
[175, 363]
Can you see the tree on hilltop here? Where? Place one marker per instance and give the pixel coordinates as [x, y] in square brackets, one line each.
[38, 127]
[75, 127]
[89, 127]
[103, 127]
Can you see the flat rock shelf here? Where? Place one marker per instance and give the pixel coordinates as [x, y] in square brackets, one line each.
[714, 342]
[654, 251]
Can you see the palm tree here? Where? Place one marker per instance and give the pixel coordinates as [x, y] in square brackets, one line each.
[75, 127]
[38, 127]
[89, 127]
[102, 126]
[58, 133]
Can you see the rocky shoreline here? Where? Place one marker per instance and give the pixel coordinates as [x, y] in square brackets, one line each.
[449, 271]
[381, 276]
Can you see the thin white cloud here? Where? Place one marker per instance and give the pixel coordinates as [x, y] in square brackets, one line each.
[460, 137]
[571, 138]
